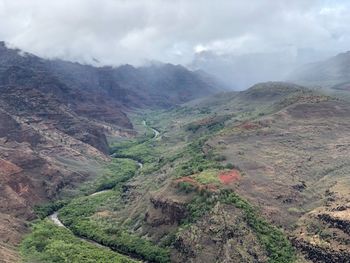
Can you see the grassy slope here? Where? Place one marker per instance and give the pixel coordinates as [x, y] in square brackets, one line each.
[178, 153]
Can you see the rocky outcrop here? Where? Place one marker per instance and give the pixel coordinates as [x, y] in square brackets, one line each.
[220, 236]
[165, 212]
[320, 254]
[342, 224]
[323, 234]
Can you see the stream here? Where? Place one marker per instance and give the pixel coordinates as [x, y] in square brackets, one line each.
[155, 132]
[54, 216]
[57, 222]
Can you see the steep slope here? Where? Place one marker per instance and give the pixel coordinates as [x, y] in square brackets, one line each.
[238, 177]
[293, 158]
[156, 85]
[289, 144]
[37, 162]
[30, 72]
[55, 118]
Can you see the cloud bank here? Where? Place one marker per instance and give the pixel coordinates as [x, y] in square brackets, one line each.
[134, 31]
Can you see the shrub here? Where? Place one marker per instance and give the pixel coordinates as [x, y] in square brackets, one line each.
[47, 209]
[50, 243]
[277, 245]
[186, 187]
[76, 215]
[230, 166]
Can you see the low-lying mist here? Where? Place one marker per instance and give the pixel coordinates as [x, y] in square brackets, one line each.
[239, 72]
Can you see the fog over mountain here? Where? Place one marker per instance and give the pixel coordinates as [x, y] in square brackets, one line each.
[240, 72]
[114, 32]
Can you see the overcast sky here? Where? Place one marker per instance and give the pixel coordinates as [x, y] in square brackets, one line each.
[134, 31]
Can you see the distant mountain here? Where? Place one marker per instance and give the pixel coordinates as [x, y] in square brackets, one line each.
[34, 87]
[156, 85]
[332, 73]
[242, 71]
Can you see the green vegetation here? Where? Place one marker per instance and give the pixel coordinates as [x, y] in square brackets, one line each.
[209, 176]
[115, 174]
[199, 206]
[144, 150]
[212, 124]
[196, 160]
[186, 187]
[79, 217]
[50, 243]
[141, 149]
[47, 209]
[277, 245]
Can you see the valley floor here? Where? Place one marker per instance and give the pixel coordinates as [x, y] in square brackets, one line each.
[259, 176]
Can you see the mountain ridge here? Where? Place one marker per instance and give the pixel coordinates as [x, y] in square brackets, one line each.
[329, 73]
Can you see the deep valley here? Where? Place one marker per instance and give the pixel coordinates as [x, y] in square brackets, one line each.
[163, 164]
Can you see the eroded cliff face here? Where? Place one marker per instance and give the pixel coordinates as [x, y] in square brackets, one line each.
[45, 147]
[165, 211]
[323, 235]
[54, 120]
[39, 157]
[32, 108]
[317, 253]
[221, 236]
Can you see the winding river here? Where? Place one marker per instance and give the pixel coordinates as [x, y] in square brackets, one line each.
[54, 216]
[155, 132]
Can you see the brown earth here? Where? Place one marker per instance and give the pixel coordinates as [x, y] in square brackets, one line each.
[293, 167]
[54, 120]
[292, 155]
[296, 162]
[218, 237]
[37, 162]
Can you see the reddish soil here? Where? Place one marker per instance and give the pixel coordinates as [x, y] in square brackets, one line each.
[229, 176]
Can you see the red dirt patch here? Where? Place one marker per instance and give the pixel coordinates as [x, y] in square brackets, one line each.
[229, 176]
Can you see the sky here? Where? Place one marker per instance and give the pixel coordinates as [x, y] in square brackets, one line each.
[116, 32]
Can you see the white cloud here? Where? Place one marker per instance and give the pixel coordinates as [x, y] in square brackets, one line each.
[132, 31]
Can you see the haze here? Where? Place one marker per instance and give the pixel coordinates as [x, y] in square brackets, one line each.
[114, 32]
